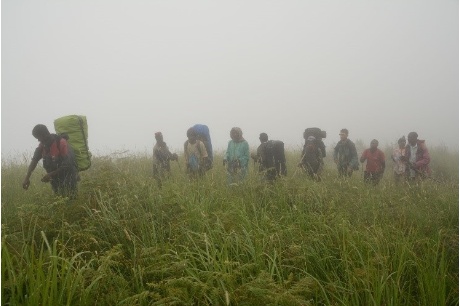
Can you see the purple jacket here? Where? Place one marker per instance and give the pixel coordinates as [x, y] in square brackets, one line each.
[422, 158]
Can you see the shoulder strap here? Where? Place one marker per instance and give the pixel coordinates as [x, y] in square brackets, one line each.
[198, 143]
[58, 143]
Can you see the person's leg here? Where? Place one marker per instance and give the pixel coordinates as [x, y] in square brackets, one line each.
[367, 177]
[157, 175]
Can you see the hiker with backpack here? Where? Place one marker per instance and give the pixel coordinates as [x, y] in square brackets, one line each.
[270, 157]
[345, 155]
[318, 134]
[237, 157]
[161, 159]
[58, 161]
[399, 169]
[375, 165]
[417, 158]
[312, 158]
[204, 136]
[195, 155]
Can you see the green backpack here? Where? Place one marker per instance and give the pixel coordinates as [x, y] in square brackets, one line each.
[75, 127]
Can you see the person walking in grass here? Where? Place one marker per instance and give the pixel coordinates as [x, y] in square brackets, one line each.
[58, 161]
[399, 169]
[161, 159]
[375, 165]
[312, 159]
[236, 157]
[195, 155]
[417, 158]
[270, 158]
[345, 155]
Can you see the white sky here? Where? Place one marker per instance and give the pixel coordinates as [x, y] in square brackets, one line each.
[379, 68]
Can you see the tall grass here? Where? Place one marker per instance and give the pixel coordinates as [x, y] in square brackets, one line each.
[123, 241]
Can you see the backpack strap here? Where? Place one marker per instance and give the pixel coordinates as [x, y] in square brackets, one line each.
[199, 147]
[57, 140]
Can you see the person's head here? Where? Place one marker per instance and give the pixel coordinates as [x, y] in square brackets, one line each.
[159, 137]
[374, 144]
[310, 142]
[343, 134]
[412, 138]
[236, 134]
[402, 142]
[40, 132]
[263, 137]
[192, 135]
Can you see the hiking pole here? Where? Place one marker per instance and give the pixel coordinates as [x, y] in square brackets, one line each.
[297, 168]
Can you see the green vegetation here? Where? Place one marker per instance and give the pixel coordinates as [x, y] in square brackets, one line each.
[297, 242]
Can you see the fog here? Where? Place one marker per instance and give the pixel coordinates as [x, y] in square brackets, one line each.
[379, 68]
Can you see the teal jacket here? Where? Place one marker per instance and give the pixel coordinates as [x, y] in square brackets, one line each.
[238, 151]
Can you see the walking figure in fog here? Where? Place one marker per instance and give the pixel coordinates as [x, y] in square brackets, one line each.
[236, 157]
[375, 165]
[195, 155]
[345, 155]
[312, 158]
[270, 158]
[399, 169]
[58, 161]
[417, 158]
[161, 159]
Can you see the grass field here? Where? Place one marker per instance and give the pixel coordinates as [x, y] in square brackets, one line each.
[297, 242]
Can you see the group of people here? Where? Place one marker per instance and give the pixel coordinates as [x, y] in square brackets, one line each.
[411, 160]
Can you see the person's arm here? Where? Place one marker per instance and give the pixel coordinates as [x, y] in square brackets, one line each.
[203, 152]
[425, 160]
[244, 154]
[227, 153]
[186, 152]
[336, 154]
[32, 166]
[354, 157]
[394, 156]
[383, 162]
[171, 156]
[363, 156]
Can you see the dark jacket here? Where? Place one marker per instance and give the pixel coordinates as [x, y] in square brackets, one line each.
[346, 155]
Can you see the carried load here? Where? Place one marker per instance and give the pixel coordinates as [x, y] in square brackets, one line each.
[74, 128]
[204, 136]
[274, 156]
[319, 135]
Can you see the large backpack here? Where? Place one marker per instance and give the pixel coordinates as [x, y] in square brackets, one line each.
[75, 129]
[319, 135]
[203, 135]
[275, 157]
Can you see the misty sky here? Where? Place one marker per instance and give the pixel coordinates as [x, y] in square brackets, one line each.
[379, 68]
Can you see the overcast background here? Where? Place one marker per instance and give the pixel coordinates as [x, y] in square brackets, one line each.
[379, 68]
